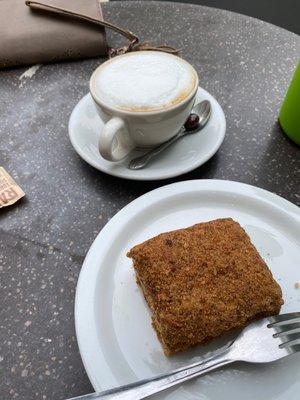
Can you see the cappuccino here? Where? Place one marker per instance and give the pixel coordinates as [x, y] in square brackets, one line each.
[144, 81]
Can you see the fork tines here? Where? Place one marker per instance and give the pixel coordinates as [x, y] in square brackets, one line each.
[287, 328]
[283, 318]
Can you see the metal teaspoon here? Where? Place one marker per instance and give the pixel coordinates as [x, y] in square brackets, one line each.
[201, 112]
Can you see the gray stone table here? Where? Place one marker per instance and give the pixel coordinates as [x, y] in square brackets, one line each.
[245, 63]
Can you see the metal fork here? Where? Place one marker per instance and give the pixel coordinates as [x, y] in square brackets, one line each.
[263, 341]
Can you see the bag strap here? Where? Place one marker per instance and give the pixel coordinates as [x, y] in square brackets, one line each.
[134, 44]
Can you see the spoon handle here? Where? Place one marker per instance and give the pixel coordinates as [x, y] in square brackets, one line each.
[142, 161]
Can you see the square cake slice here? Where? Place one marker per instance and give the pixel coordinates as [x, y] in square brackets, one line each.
[203, 281]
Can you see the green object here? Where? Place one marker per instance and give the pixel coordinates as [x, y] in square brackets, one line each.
[289, 116]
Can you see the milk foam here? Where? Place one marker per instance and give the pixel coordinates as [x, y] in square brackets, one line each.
[144, 81]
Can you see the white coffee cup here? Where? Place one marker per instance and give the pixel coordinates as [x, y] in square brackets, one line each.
[136, 103]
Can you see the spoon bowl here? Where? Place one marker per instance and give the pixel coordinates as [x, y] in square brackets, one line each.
[203, 110]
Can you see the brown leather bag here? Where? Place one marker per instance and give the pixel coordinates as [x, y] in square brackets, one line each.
[32, 37]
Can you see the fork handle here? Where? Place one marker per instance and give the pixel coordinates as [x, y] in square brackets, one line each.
[144, 388]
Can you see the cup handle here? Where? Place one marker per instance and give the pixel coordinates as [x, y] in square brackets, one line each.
[115, 142]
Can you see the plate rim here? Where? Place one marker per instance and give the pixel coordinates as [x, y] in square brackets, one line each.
[127, 175]
[137, 205]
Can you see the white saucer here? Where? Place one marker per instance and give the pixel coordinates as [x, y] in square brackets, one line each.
[113, 324]
[187, 154]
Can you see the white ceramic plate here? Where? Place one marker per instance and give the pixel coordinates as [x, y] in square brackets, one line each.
[116, 340]
[187, 154]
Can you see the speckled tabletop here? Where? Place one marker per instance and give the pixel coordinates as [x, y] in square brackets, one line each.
[245, 63]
